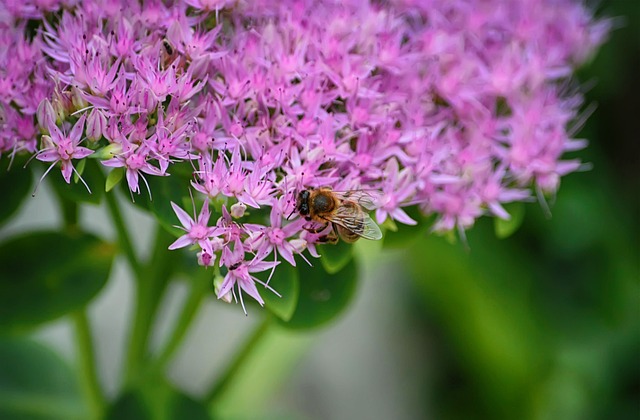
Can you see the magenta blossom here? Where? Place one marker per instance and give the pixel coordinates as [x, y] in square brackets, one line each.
[449, 107]
[58, 147]
[197, 230]
[239, 274]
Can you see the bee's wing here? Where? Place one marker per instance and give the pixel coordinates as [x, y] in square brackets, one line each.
[357, 222]
[368, 199]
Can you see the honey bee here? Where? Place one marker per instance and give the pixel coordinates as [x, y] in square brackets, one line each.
[343, 210]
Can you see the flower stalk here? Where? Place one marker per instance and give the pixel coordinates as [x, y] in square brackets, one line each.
[87, 365]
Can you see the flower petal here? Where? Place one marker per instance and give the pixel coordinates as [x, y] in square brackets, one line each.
[183, 216]
[181, 242]
[76, 131]
[250, 287]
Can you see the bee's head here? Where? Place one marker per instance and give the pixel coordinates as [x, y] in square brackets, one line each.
[302, 202]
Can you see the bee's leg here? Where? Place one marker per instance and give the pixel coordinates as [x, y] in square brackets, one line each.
[329, 238]
[311, 229]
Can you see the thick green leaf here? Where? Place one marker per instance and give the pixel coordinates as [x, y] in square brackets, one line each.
[335, 257]
[506, 228]
[129, 406]
[323, 296]
[36, 384]
[46, 275]
[114, 178]
[285, 281]
[15, 185]
[156, 400]
[76, 191]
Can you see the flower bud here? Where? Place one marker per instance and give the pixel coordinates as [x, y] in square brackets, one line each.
[237, 210]
[147, 101]
[217, 243]
[62, 104]
[111, 131]
[96, 124]
[77, 99]
[108, 152]
[205, 259]
[217, 285]
[45, 113]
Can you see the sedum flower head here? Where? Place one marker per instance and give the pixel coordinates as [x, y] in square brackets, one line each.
[453, 105]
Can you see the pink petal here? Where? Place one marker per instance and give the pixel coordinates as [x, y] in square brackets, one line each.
[76, 131]
[183, 216]
[181, 242]
[285, 252]
[203, 217]
[499, 211]
[54, 131]
[227, 284]
[262, 266]
[381, 215]
[50, 156]
[113, 163]
[132, 180]
[67, 170]
[205, 244]
[403, 217]
[81, 152]
[250, 287]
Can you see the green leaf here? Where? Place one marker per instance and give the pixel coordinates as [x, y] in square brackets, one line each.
[79, 170]
[156, 399]
[335, 257]
[323, 296]
[129, 406]
[15, 185]
[46, 275]
[36, 384]
[506, 228]
[114, 178]
[77, 191]
[285, 281]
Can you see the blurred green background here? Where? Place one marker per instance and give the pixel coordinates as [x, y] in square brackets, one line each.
[543, 324]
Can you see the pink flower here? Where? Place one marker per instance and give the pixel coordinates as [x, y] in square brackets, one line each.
[135, 160]
[58, 147]
[239, 274]
[197, 230]
[453, 106]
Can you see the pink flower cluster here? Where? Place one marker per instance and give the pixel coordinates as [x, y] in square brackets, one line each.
[457, 106]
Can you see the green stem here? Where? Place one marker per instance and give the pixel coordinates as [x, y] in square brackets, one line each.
[222, 384]
[123, 234]
[199, 288]
[150, 287]
[86, 356]
[70, 212]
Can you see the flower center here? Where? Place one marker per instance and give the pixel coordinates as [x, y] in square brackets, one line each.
[276, 236]
[198, 232]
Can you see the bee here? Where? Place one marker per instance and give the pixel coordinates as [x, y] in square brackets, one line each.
[343, 210]
[168, 54]
[167, 47]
